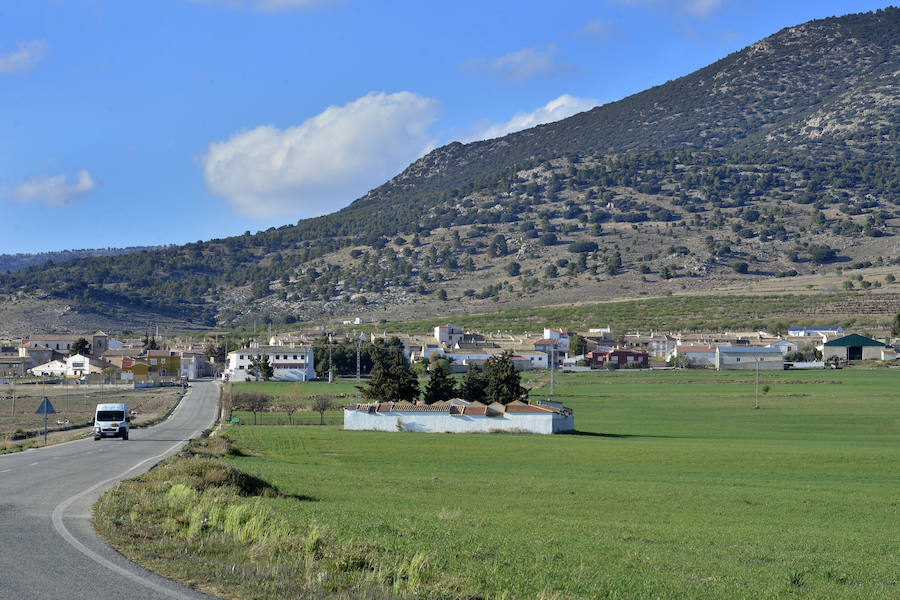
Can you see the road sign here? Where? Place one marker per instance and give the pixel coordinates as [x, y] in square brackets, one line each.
[45, 409]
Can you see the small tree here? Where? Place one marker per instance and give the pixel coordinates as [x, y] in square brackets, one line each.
[149, 343]
[81, 346]
[322, 403]
[261, 367]
[441, 386]
[740, 267]
[895, 326]
[291, 406]
[254, 402]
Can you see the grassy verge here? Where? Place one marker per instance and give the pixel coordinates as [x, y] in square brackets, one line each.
[675, 488]
[200, 520]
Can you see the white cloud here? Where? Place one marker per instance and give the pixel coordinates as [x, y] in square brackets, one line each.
[52, 190]
[598, 29]
[558, 108]
[519, 65]
[25, 58]
[698, 8]
[269, 5]
[323, 163]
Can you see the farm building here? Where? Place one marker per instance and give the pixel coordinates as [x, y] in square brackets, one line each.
[748, 357]
[853, 347]
[460, 416]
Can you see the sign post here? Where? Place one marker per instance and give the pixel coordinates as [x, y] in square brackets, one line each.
[45, 409]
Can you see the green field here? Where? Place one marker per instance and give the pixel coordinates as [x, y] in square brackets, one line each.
[675, 488]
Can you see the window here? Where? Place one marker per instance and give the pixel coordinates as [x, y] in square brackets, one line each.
[152, 361]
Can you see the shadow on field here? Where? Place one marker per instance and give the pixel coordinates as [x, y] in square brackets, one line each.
[611, 435]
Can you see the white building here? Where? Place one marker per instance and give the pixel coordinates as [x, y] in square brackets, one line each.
[830, 331]
[460, 416]
[785, 346]
[54, 368]
[748, 357]
[448, 334]
[191, 365]
[560, 336]
[289, 363]
[78, 366]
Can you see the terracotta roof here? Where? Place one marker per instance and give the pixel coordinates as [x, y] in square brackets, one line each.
[527, 408]
[694, 348]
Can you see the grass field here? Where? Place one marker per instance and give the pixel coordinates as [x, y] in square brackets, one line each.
[675, 488]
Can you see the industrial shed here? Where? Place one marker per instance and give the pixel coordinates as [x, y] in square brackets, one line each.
[853, 347]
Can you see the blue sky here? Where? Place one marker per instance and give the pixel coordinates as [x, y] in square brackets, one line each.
[127, 122]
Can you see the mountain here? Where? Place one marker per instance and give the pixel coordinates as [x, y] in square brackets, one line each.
[775, 163]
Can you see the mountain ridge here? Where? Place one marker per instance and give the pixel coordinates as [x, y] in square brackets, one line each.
[680, 184]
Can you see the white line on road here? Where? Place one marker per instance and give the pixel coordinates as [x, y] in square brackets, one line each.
[34, 463]
[60, 527]
[5, 470]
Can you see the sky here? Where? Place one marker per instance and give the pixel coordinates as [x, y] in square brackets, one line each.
[135, 122]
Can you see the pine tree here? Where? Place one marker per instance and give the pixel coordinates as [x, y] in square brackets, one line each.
[440, 387]
[472, 388]
[895, 326]
[502, 381]
[404, 383]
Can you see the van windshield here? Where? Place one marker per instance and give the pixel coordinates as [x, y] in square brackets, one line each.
[110, 415]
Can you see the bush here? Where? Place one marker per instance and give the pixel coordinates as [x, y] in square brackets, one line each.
[820, 254]
[583, 247]
[740, 267]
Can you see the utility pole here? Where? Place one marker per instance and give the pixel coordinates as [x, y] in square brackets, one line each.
[358, 348]
[757, 383]
[552, 369]
[330, 363]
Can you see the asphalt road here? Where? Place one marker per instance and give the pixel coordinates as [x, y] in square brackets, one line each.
[48, 549]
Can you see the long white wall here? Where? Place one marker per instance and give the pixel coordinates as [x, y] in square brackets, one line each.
[446, 423]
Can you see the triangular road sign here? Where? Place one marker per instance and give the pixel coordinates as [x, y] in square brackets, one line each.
[45, 408]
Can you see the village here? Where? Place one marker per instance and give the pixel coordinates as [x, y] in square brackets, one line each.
[95, 357]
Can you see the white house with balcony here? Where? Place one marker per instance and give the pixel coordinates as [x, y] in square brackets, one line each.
[289, 363]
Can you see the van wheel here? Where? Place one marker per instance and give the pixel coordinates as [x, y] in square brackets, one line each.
[96, 439]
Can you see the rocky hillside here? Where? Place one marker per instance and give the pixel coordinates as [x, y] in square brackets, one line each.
[778, 163]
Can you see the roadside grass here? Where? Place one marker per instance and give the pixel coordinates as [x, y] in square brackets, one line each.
[675, 488]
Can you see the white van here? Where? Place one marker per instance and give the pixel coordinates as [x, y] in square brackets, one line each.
[111, 420]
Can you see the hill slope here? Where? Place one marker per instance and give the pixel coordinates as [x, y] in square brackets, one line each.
[775, 161]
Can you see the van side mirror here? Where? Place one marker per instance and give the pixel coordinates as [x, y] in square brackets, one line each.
[128, 419]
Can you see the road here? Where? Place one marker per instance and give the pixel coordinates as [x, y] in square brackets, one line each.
[48, 549]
